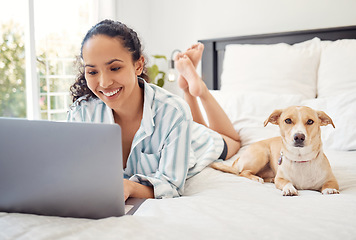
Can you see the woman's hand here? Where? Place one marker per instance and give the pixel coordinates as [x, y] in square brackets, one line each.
[127, 189]
[134, 189]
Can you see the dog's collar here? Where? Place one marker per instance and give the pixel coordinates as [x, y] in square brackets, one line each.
[280, 159]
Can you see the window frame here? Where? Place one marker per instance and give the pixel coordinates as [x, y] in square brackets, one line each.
[103, 9]
[32, 87]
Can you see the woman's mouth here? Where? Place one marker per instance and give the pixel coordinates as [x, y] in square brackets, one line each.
[110, 93]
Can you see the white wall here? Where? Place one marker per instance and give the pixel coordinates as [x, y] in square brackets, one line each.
[165, 25]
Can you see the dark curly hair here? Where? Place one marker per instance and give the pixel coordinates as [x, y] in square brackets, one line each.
[112, 29]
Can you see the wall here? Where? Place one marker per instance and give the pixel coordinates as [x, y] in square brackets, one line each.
[169, 24]
[165, 25]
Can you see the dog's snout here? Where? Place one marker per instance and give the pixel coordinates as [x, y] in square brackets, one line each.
[299, 139]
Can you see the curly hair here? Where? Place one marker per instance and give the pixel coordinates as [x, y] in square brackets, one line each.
[112, 29]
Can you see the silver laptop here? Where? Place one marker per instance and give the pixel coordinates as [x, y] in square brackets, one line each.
[61, 169]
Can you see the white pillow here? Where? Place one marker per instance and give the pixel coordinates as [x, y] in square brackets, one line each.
[277, 68]
[248, 112]
[337, 70]
[342, 110]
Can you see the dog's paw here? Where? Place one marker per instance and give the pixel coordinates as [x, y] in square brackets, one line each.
[330, 191]
[257, 179]
[289, 190]
[268, 180]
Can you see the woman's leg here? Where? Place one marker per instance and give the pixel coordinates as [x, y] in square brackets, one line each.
[218, 120]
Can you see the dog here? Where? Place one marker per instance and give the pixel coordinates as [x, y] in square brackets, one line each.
[295, 160]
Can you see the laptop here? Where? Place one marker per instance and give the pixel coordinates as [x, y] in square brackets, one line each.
[62, 169]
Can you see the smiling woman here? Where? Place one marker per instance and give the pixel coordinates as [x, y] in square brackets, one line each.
[108, 77]
[162, 143]
[102, 37]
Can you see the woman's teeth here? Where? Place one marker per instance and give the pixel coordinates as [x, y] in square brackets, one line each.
[109, 94]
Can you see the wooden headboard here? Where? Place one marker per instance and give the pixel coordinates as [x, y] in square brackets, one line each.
[213, 56]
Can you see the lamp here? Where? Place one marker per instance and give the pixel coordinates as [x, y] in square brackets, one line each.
[172, 73]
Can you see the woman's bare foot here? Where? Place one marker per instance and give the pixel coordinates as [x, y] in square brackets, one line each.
[182, 83]
[185, 67]
[194, 53]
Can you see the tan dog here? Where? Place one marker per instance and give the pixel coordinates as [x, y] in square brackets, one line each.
[295, 160]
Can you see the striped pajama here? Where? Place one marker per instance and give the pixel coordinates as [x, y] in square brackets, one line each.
[168, 147]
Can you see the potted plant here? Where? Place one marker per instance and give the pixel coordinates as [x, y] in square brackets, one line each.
[156, 75]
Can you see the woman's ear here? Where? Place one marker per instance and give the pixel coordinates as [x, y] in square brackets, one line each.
[139, 64]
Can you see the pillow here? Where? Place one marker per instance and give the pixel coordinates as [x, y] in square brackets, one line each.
[337, 70]
[248, 112]
[342, 110]
[277, 68]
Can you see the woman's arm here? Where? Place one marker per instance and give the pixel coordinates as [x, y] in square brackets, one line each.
[134, 189]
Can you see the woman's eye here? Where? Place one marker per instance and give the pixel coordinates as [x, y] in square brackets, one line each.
[288, 121]
[310, 122]
[92, 72]
[115, 69]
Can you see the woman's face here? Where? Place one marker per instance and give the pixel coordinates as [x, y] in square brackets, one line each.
[110, 72]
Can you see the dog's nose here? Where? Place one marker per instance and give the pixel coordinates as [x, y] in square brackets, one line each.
[299, 138]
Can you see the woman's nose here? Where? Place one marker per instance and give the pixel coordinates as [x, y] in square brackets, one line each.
[105, 80]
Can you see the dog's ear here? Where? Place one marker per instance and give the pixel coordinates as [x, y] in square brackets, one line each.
[273, 118]
[325, 119]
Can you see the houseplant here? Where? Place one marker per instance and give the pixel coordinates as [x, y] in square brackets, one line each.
[157, 75]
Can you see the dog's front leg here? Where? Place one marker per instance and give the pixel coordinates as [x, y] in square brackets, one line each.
[330, 187]
[287, 187]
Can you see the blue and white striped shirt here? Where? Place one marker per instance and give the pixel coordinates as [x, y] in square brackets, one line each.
[168, 147]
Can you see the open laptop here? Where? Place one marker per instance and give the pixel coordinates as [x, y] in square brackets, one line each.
[62, 169]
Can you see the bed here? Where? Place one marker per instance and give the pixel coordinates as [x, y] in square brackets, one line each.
[250, 76]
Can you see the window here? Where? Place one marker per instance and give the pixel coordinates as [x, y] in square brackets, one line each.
[58, 29]
[12, 59]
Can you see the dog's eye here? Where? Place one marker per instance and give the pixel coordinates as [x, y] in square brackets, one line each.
[288, 121]
[310, 122]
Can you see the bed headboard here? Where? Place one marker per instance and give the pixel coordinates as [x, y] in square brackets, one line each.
[213, 56]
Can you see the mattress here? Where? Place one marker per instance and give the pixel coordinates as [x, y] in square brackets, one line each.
[215, 205]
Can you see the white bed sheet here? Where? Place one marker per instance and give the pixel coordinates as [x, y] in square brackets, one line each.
[215, 205]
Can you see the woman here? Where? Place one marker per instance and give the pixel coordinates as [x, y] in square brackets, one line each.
[162, 146]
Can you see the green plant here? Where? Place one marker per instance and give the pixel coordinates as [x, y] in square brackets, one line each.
[12, 71]
[155, 74]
